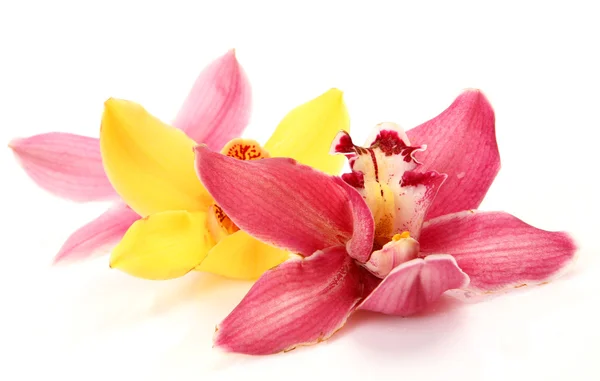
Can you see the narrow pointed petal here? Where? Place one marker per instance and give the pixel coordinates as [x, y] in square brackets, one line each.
[306, 132]
[218, 106]
[281, 202]
[300, 302]
[461, 142]
[163, 245]
[498, 250]
[66, 165]
[150, 164]
[413, 285]
[98, 235]
[240, 256]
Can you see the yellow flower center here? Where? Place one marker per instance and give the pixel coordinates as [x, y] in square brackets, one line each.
[224, 220]
[245, 149]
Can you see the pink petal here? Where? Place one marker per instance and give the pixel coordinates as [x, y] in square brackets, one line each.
[417, 193]
[217, 108]
[410, 287]
[66, 165]
[106, 230]
[284, 203]
[360, 245]
[300, 302]
[496, 249]
[461, 142]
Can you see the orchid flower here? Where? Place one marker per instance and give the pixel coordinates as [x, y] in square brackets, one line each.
[216, 110]
[151, 166]
[391, 236]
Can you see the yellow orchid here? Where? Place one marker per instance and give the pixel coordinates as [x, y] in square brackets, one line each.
[151, 166]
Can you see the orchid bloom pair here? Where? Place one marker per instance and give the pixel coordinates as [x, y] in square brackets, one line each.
[391, 236]
[166, 221]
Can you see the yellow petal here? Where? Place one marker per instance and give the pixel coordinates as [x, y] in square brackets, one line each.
[240, 256]
[306, 133]
[163, 246]
[149, 163]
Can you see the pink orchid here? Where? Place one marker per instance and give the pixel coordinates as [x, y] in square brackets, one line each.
[216, 110]
[385, 238]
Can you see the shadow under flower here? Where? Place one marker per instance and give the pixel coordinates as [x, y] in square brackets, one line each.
[393, 335]
[107, 301]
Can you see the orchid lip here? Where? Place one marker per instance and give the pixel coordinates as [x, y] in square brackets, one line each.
[400, 249]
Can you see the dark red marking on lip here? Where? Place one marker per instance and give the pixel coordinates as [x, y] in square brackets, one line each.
[431, 180]
[345, 144]
[375, 167]
[390, 143]
[355, 179]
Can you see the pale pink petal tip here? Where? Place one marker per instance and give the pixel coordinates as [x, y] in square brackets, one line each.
[300, 302]
[413, 285]
[461, 142]
[99, 234]
[497, 250]
[217, 108]
[66, 165]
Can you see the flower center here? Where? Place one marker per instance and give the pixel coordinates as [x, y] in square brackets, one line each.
[377, 174]
[244, 149]
[224, 220]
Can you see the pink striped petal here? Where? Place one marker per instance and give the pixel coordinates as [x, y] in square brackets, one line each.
[496, 249]
[413, 285]
[104, 231]
[360, 245]
[286, 204]
[417, 192]
[300, 302]
[65, 165]
[217, 108]
[461, 142]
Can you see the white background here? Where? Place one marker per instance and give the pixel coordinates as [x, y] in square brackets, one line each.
[397, 61]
